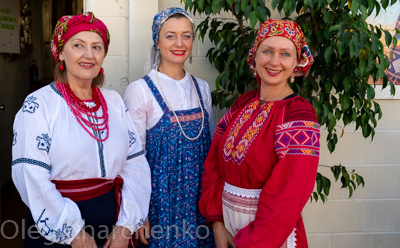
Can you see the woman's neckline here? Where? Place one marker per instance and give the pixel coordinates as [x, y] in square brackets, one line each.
[171, 78]
[180, 78]
[287, 97]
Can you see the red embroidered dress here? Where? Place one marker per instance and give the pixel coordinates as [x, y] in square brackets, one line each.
[273, 148]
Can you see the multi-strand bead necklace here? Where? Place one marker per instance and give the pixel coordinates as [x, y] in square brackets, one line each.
[85, 114]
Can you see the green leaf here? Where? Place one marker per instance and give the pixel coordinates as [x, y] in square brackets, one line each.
[388, 38]
[351, 190]
[328, 86]
[224, 78]
[247, 11]
[384, 3]
[356, 43]
[254, 3]
[334, 101]
[253, 19]
[340, 47]
[354, 8]
[216, 7]
[345, 179]
[352, 49]
[366, 130]
[319, 183]
[231, 56]
[331, 122]
[378, 109]
[338, 114]
[262, 12]
[335, 27]
[375, 44]
[315, 196]
[323, 198]
[244, 4]
[328, 53]
[345, 101]
[363, 67]
[364, 118]
[274, 3]
[360, 180]
[392, 89]
[336, 171]
[347, 84]
[327, 187]
[201, 4]
[331, 146]
[287, 5]
[370, 92]
[218, 82]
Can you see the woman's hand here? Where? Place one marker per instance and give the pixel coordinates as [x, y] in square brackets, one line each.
[119, 238]
[83, 240]
[223, 238]
[144, 233]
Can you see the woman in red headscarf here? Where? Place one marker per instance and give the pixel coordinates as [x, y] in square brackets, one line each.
[263, 159]
[78, 163]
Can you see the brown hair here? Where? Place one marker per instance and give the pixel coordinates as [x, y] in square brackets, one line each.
[177, 16]
[61, 76]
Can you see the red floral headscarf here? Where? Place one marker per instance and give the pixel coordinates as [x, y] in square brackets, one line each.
[67, 26]
[287, 29]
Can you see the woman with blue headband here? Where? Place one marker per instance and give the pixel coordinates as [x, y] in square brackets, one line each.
[173, 114]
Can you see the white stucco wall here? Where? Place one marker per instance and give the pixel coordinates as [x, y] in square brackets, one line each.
[370, 219]
[115, 14]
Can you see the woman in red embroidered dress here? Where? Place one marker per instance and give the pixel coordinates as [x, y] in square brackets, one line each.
[263, 160]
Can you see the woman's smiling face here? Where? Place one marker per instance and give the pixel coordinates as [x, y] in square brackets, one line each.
[175, 40]
[83, 55]
[276, 59]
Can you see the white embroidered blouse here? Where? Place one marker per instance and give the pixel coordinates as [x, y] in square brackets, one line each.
[50, 144]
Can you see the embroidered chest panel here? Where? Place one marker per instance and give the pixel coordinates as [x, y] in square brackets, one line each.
[245, 130]
[186, 118]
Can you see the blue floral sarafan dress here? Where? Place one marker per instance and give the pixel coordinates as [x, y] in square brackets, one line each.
[177, 165]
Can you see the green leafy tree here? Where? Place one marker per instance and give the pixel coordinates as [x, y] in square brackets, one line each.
[348, 53]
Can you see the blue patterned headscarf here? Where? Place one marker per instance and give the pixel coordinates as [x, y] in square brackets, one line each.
[162, 16]
[158, 21]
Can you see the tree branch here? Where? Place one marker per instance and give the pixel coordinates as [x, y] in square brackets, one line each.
[240, 22]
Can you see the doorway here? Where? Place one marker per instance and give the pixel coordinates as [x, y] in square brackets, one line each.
[15, 77]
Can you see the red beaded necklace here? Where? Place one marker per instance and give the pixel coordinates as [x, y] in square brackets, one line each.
[81, 110]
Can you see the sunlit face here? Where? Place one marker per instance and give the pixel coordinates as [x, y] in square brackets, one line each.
[83, 55]
[175, 41]
[276, 58]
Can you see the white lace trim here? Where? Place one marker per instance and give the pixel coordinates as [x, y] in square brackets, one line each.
[291, 240]
[248, 193]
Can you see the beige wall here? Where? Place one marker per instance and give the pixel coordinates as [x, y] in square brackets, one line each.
[115, 14]
[370, 219]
